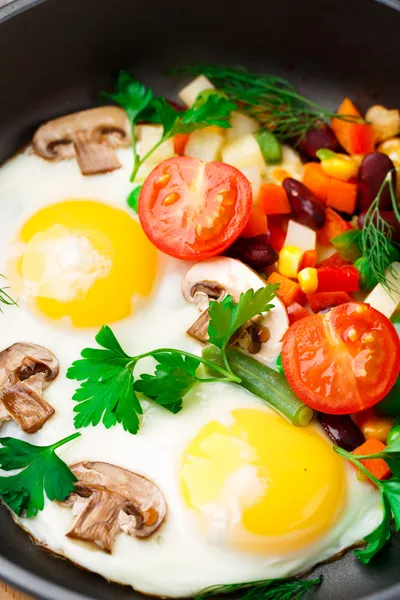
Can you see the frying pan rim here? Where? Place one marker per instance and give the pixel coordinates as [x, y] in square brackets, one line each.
[28, 582]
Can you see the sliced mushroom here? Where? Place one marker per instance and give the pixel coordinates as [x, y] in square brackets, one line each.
[109, 499]
[25, 371]
[214, 279]
[90, 136]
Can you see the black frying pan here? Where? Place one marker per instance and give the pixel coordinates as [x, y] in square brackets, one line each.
[55, 57]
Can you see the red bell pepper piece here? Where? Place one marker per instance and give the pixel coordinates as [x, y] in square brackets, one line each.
[334, 226]
[320, 301]
[356, 138]
[338, 279]
[296, 312]
[277, 232]
[334, 261]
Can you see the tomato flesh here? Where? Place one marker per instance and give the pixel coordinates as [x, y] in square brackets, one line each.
[344, 361]
[193, 210]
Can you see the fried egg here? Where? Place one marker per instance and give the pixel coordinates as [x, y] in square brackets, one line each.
[249, 495]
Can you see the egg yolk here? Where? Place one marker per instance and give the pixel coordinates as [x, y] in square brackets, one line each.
[261, 484]
[85, 260]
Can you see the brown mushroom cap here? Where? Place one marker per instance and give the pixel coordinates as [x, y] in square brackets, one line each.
[90, 136]
[110, 499]
[25, 371]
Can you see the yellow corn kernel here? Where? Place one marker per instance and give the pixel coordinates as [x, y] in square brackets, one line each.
[308, 280]
[289, 261]
[377, 427]
[340, 166]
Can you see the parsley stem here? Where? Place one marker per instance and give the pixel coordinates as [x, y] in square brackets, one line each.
[66, 440]
[355, 460]
[229, 376]
[138, 162]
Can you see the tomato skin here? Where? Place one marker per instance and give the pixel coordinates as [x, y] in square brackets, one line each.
[194, 210]
[343, 362]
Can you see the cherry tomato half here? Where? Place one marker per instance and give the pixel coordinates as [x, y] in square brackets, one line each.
[344, 361]
[193, 210]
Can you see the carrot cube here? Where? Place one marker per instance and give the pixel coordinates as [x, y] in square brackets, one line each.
[376, 466]
[289, 291]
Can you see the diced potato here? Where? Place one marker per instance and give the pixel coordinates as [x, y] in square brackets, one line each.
[204, 145]
[386, 123]
[148, 136]
[241, 125]
[300, 236]
[253, 174]
[244, 152]
[381, 299]
[190, 92]
[291, 163]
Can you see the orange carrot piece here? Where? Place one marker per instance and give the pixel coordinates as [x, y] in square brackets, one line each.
[376, 466]
[316, 180]
[356, 138]
[257, 223]
[309, 259]
[180, 141]
[273, 199]
[289, 291]
[342, 195]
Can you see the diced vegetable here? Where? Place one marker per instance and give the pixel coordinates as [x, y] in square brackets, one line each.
[257, 223]
[269, 146]
[149, 136]
[386, 123]
[276, 232]
[300, 236]
[253, 174]
[291, 163]
[273, 199]
[204, 145]
[190, 92]
[324, 300]
[289, 261]
[264, 382]
[377, 466]
[342, 195]
[377, 427]
[180, 141]
[241, 125]
[339, 166]
[356, 138]
[244, 152]
[308, 280]
[289, 291]
[383, 300]
[296, 312]
[338, 279]
[334, 226]
[309, 259]
[335, 260]
[316, 180]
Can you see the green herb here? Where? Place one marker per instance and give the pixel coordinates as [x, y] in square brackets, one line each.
[135, 99]
[268, 589]
[390, 493]
[226, 317]
[372, 247]
[5, 297]
[271, 100]
[44, 473]
[133, 198]
[269, 146]
[107, 393]
[211, 108]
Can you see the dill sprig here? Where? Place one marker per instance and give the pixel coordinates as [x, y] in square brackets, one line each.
[5, 297]
[271, 100]
[376, 242]
[267, 589]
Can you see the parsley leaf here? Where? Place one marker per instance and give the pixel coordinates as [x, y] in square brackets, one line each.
[174, 376]
[378, 538]
[226, 317]
[107, 393]
[44, 473]
[133, 198]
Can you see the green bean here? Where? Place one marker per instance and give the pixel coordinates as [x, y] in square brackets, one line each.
[264, 382]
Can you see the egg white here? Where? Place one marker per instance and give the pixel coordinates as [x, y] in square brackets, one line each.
[178, 560]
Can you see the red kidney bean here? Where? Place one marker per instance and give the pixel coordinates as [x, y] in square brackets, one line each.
[315, 139]
[255, 251]
[373, 170]
[342, 431]
[389, 217]
[306, 207]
